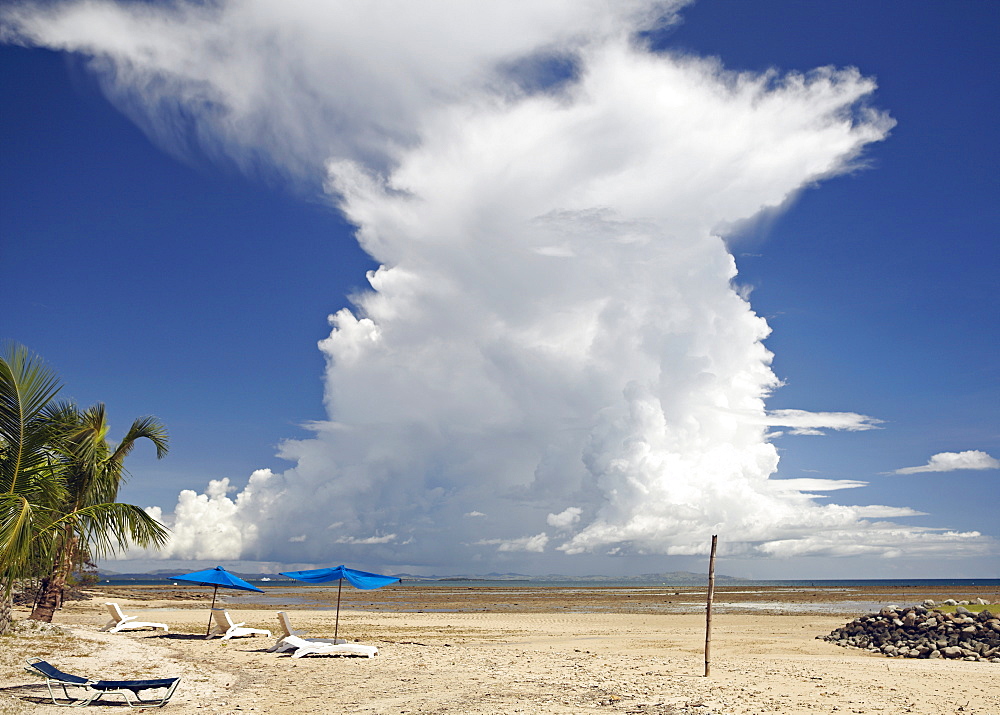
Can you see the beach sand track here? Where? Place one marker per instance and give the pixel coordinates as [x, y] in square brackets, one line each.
[499, 662]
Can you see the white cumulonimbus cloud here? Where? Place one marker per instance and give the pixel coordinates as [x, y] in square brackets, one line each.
[952, 461]
[555, 336]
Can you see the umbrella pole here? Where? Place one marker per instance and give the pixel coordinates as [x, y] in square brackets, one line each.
[208, 630]
[336, 623]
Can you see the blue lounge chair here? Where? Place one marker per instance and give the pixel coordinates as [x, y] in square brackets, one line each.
[94, 689]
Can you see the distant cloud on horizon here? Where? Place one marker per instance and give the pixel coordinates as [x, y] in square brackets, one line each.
[953, 461]
[555, 336]
[534, 543]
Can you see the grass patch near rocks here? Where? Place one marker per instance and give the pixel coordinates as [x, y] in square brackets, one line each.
[973, 607]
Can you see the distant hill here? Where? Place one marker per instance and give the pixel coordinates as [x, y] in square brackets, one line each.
[169, 574]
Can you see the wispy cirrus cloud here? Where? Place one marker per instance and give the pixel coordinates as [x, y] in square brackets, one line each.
[953, 461]
[383, 539]
[801, 422]
[810, 484]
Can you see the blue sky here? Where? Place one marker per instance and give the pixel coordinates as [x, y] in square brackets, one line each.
[186, 285]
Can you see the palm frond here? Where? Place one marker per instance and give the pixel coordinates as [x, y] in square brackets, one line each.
[145, 427]
[23, 530]
[114, 526]
[27, 385]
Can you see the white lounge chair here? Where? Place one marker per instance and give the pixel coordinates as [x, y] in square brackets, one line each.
[286, 630]
[120, 622]
[305, 647]
[225, 627]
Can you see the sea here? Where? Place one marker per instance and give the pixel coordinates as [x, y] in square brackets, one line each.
[887, 583]
[787, 596]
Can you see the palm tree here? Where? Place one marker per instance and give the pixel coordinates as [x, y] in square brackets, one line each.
[30, 482]
[91, 522]
[59, 482]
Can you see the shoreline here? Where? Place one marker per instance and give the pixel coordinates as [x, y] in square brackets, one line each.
[678, 600]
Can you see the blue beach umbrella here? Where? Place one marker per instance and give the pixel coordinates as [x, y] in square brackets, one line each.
[217, 577]
[359, 579]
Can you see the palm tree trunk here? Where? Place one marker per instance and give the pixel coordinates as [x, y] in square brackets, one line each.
[6, 610]
[48, 599]
[50, 596]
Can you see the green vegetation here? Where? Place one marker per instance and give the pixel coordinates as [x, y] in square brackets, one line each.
[974, 607]
[59, 482]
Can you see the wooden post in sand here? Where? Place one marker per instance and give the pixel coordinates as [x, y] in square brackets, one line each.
[708, 607]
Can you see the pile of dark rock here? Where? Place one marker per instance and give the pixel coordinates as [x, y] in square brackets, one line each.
[921, 632]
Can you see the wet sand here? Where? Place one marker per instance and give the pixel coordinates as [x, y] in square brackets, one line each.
[473, 649]
[462, 597]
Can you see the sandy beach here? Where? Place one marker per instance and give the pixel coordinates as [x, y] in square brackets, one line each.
[605, 650]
